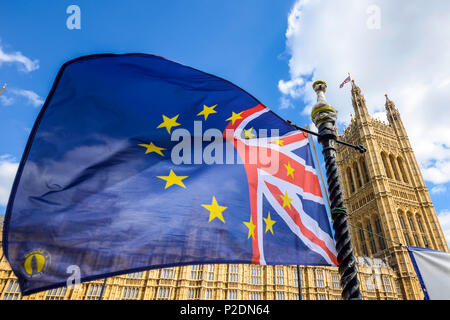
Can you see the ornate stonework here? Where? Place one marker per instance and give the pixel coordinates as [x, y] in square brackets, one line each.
[385, 193]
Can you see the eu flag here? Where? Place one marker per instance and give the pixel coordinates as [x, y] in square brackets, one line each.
[137, 162]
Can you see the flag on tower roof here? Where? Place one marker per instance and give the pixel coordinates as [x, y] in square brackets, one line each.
[137, 162]
[345, 81]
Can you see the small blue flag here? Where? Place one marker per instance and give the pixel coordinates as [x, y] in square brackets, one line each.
[137, 162]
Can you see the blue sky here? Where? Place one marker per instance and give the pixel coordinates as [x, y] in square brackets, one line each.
[271, 49]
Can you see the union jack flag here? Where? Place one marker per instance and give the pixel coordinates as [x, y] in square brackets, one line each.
[140, 182]
[344, 82]
[292, 188]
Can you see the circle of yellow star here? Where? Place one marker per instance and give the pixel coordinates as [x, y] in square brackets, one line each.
[248, 133]
[172, 179]
[152, 148]
[251, 228]
[234, 117]
[290, 170]
[269, 223]
[286, 200]
[207, 111]
[215, 211]
[168, 123]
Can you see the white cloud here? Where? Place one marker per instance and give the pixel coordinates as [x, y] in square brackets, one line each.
[407, 57]
[293, 88]
[444, 220]
[438, 189]
[8, 169]
[25, 63]
[32, 97]
[6, 100]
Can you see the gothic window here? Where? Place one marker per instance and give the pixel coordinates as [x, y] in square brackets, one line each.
[386, 168]
[403, 225]
[233, 273]
[402, 169]
[167, 273]
[419, 222]
[12, 292]
[232, 294]
[194, 293]
[371, 238]
[129, 293]
[411, 223]
[94, 292]
[164, 293]
[380, 232]
[425, 241]
[56, 294]
[363, 242]
[394, 167]
[408, 241]
[197, 272]
[386, 285]
[350, 180]
[318, 278]
[402, 221]
[365, 173]
[280, 275]
[358, 175]
[208, 294]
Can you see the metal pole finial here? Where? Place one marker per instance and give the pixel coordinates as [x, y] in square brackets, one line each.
[322, 111]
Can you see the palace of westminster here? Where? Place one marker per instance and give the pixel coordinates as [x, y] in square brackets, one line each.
[388, 205]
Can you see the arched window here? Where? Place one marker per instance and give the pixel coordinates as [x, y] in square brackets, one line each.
[350, 180]
[379, 229]
[402, 169]
[358, 175]
[402, 221]
[419, 223]
[403, 225]
[394, 167]
[386, 167]
[411, 222]
[363, 241]
[365, 173]
[371, 237]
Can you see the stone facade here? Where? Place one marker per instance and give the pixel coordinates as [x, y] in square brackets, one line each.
[385, 193]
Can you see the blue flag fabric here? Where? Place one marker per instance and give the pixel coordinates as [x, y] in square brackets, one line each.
[137, 162]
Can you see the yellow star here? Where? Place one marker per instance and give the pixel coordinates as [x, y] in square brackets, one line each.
[286, 200]
[279, 142]
[248, 133]
[251, 228]
[152, 148]
[172, 179]
[234, 117]
[215, 211]
[269, 223]
[290, 170]
[207, 111]
[168, 123]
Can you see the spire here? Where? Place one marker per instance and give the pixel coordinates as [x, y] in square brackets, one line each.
[389, 105]
[393, 116]
[359, 102]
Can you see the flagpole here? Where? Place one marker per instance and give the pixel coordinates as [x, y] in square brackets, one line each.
[299, 283]
[2, 88]
[324, 117]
